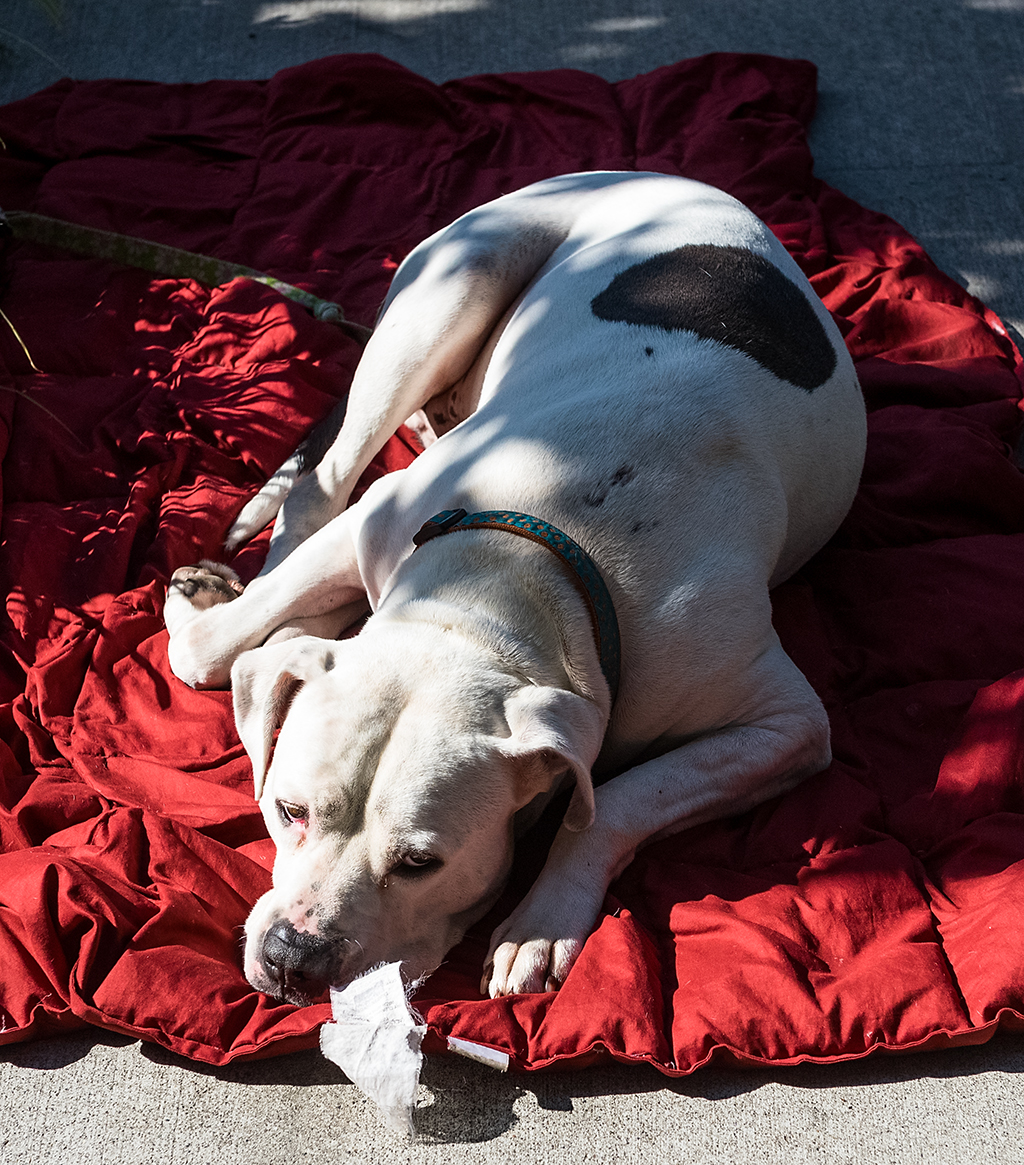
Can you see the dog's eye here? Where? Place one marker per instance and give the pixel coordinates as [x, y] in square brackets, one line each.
[417, 863]
[292, 814]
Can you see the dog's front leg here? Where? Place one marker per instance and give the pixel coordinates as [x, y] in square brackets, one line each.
[445, 310]
[725, 772]
[317, 588]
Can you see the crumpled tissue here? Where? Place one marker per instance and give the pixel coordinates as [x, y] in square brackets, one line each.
[375, 1040]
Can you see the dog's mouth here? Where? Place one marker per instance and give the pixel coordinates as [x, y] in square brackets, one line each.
[297, 991]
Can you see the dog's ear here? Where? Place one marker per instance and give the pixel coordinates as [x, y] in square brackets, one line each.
[554, 730]
[263, 683]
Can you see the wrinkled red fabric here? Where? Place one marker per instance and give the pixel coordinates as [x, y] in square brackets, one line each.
[876, 906]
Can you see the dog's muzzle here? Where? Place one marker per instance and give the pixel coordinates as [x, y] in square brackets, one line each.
[301, 967]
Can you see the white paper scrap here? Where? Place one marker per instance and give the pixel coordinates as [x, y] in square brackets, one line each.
[375, 1040]
[479, 1052]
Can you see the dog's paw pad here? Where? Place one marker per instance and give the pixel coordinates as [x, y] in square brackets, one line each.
[204, 585]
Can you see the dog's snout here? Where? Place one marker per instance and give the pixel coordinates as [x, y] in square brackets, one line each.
[300, 964]
[288, 949]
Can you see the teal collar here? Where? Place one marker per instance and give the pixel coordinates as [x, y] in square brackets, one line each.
[584, 573]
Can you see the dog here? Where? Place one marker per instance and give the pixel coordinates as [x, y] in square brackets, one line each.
[638, 419]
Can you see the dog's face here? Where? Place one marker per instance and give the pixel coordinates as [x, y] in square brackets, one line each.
[401, 763]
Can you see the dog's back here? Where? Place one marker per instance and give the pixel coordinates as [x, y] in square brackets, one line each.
[667, 390]
[668, 358]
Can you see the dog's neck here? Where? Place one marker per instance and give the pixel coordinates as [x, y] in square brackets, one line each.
[582, 570]
[512, 598]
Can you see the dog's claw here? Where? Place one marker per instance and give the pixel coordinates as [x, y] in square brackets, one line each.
[535, 966]
[206, 583]
[534, 950]
[536, 947]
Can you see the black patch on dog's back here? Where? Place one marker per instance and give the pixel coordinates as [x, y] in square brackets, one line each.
[728, 294]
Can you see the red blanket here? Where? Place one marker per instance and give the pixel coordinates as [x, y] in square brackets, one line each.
[877, 906]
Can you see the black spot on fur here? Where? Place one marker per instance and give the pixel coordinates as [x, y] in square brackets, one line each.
[622, 476]
[648, 351]
[727, 294]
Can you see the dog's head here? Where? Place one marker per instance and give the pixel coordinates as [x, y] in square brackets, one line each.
[404, 755]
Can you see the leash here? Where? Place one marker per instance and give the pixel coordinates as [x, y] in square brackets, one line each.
[163, 260]
[583, 571]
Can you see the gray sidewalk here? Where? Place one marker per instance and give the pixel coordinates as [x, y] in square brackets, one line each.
[102, 1099]
[920, 117]
[922, 102]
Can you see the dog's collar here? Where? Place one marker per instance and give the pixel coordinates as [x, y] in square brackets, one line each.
[584, 572]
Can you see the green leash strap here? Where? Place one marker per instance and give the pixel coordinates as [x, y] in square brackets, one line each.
[162, 260]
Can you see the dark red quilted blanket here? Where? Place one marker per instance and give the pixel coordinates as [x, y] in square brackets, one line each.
[878, 906]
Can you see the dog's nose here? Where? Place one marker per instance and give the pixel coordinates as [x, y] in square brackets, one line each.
[300, 963]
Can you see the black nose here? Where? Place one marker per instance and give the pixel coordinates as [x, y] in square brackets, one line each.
[298, 962]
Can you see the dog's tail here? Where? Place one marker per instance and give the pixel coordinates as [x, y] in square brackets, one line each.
[261, 510]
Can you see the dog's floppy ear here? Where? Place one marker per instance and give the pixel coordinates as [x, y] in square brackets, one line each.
[556, 730]
[263, 682]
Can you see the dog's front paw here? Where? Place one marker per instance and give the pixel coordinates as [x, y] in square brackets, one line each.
[195, 654]
[536, 947]
[197, 588]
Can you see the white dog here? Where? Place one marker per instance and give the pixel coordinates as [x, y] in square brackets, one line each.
[633, 373]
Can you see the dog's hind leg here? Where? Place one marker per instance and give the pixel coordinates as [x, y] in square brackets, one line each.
[261, 510]
[450, 297]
